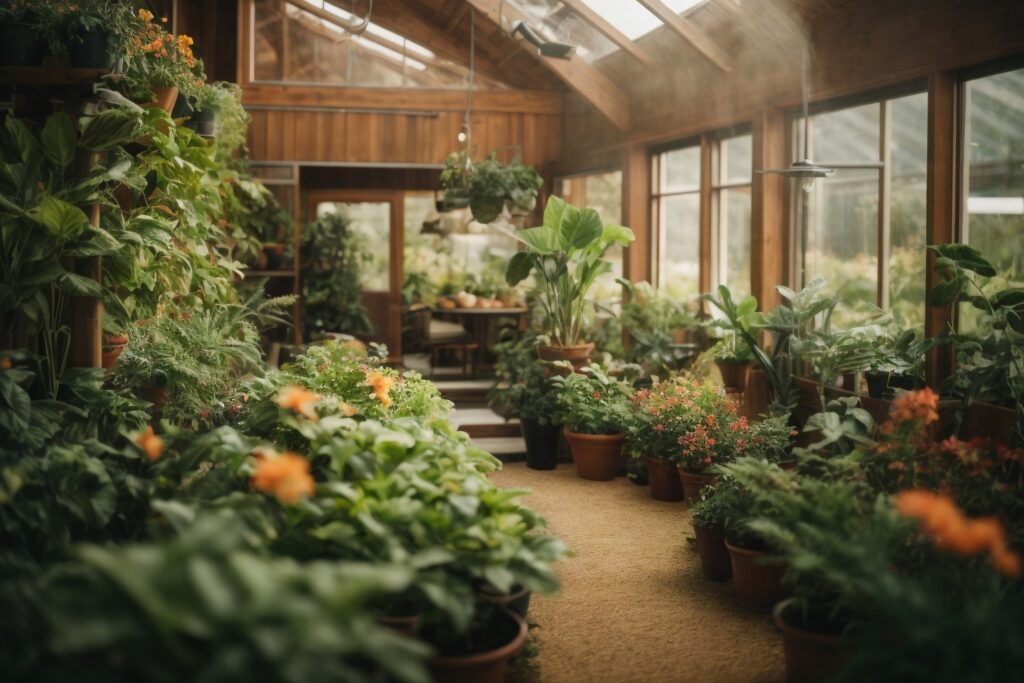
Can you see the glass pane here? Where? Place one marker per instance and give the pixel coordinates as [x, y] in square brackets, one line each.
[679, 267]
[631, 17]
[841, 238]
[372, 220]
[294, 44]
[680, 170]
[846, 135]
[736, 159]
[907, 216]
[734, 239]
[994, 210]
[557, 22]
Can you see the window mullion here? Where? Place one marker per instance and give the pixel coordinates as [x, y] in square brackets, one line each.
[884, 218]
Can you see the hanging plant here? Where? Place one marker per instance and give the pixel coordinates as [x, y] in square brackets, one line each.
[455, 182]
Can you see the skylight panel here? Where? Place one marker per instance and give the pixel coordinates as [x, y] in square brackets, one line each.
[631, 17]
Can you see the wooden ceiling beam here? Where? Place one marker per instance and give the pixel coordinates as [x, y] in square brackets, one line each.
[690, 33]
[586, 80]
[613, 34]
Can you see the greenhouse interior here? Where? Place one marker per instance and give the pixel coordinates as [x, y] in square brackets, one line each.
[470, 341]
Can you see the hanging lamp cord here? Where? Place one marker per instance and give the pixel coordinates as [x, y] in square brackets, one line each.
[469, 81]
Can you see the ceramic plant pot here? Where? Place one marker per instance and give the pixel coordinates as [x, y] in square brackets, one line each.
[758, 585]
[597, 456]
[693, 483]
[113, 345]
[578, 356]
[490, 665]
[541, 444]
[518, 601]
[810, 655]
[203, 122]
[664, 482]
[734, 375]
[714, 556]
[164, 98]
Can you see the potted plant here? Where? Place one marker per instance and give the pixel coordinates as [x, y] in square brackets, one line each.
[654, 320]
[596, 411]
[96, 31]
[158, 66]
[480, 655]
[710, 514]
[455, 182]
[566, 254]
[333, 255]
[23, 28]
[524, 184]
[732, 358]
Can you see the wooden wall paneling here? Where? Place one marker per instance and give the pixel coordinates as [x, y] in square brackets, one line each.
[704, 241]
[768, 225]
[339, 134]
[636, 202]
[941, 205]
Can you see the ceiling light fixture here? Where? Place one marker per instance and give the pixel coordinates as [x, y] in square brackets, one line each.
[546, 48]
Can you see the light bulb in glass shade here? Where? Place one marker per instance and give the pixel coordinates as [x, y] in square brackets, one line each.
[462, 136]
[807, 184]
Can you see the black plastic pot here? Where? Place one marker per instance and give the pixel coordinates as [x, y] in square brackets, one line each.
[21, 45]
[204, 122]
[878, 384]
[90, 50]
[182, 109]
[541, 444]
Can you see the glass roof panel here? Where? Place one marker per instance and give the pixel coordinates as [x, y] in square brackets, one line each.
[631, 17]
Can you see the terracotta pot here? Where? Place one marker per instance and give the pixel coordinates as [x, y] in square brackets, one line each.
[272, 255]
[597, 456]
[484, 667]
[518, 601]
[661, 475]
[810, 656]
[578, 356]
[406, 626]
[113, 345]
[155, 395]
[758, 585]
[734, 375]
[165, 98]
[714, 556]
[693, 483]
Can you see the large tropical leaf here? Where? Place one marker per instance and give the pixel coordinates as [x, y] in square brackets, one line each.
[59, 139]
[62, 220]
[579, 228]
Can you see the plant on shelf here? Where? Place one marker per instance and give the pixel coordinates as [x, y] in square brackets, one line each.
[92, 32]
[158, 65]
[455, 181]
[333, 256]
[990, 362]
[653, 321]
[219, 112]
[566, 256]
[596, 411]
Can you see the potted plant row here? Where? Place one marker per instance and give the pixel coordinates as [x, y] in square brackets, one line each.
[595, 409]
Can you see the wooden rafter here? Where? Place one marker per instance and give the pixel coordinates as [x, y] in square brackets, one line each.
[590, 83]
[583, 11]
[690, 33]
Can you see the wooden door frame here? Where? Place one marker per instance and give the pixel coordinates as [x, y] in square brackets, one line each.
[396, 250]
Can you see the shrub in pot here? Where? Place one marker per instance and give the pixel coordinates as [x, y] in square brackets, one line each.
[733, 358]
[96, 31]
[653, 319]
[596, 411]
[566, 256]
[158, 66]
[710, 514]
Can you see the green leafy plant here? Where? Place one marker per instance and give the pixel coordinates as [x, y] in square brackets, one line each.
[154, 58]
[224, 100]
[566, 255]
[652, 318]
[591, 402]
[333, 255]
[521, 388]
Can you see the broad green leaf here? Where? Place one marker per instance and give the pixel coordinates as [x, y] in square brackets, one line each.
[541, 239]
[519, 267]
[108, 129]
[97, 242]
[78, 285]
[579, 228]
[944, 293]
[966, 257]
[617, 234]
[24, 141]
[60, 219]
[553, 212]
[59, 139]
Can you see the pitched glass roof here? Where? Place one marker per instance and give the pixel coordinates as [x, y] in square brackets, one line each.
[557, 21]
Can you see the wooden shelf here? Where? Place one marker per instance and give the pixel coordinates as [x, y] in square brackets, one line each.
[269, 273]
[48, 75]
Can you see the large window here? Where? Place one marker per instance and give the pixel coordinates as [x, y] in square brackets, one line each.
[993, 210]
[870, 211]
[679, 190]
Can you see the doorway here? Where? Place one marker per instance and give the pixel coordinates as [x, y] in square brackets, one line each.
[377, 216]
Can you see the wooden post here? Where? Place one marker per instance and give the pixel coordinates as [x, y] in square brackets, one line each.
[705, 248]
[636, 212]
[767, 217]
[87, 313]
[942, 203]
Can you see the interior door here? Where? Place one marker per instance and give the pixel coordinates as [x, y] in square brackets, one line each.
[377, 216]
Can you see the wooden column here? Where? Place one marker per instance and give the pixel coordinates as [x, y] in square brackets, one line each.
[705, 249]
[768, 232]
[942, 205]
[636, 212]
[87, 313]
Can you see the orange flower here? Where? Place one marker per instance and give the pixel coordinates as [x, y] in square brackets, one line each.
[5, 363]
[916, 406]
[151, 444]
[285, 476]
[347, 410]
[949, 528]
[381, 385]
[299, 399]
[145, 15]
